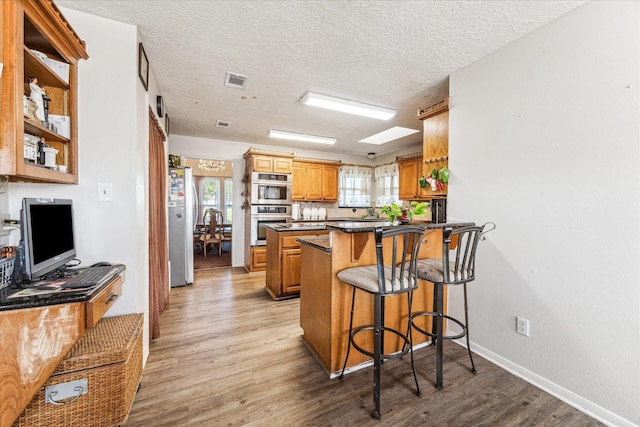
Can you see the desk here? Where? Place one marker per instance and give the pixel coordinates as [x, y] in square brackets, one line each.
[38, 333]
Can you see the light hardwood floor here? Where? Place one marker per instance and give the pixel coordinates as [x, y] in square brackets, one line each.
[229, 355]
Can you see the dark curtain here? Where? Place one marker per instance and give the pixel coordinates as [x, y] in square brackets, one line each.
[158, 239]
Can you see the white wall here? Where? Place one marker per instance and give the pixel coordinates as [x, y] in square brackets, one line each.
[544, 141]
[112, 148]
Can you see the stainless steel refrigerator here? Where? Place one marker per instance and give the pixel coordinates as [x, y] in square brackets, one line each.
[181, 225]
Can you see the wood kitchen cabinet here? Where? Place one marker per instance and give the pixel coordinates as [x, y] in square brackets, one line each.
[283, 262]
[410, 170]
[32, 29]
[315, 181]
[435, 140]
[258, 261]
[264, 161]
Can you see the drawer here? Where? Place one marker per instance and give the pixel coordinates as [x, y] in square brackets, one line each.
[102, 301]
[290, 242]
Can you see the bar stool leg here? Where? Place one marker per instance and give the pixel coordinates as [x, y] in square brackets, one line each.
[466, 326]
[410, 335]
[377, 351]
[438, 287]
[353, 300]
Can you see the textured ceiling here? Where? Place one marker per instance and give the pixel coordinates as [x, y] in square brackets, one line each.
[395, 54]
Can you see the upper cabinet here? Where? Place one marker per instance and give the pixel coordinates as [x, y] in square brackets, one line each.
[435, 142]
[410, 169]
[267, 163]
[315, 180]
[40, 53]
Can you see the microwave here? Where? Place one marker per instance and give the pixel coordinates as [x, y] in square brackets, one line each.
[270, 189]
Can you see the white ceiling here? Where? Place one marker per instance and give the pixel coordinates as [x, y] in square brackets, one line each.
[395, 54]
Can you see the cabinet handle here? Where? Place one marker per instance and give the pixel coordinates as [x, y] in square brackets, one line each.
[112, 298]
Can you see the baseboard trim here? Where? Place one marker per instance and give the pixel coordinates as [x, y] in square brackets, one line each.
[570, 398]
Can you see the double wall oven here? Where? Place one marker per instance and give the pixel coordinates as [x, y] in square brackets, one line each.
[270, 203]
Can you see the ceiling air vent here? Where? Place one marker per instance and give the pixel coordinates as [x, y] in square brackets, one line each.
[222, 124]
[235, 80]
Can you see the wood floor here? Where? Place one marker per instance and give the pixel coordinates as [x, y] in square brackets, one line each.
[230, 356]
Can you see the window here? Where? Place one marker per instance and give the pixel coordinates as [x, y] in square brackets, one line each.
[387, 184]
[354, 186]
[228, 200]
[216, 193]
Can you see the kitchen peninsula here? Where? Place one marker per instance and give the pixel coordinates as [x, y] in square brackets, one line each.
[325, 301]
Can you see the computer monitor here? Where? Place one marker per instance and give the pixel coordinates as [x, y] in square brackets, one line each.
[47, 235]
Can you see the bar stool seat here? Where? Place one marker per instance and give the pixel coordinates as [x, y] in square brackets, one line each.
[457, 266]
[392, 276]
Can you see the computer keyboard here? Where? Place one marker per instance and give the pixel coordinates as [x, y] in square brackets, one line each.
[92, 276]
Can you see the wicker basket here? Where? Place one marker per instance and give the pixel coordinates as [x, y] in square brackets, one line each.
[7, 261]
[109, 356]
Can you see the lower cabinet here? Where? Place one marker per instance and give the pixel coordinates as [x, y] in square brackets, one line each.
[258, 258]
[283, 262]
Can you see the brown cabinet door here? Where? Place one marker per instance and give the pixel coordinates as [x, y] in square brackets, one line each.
[291, 270]
[408, 174]
[262, 164]
[258, 258]
[313, 182]
[297, 175]
[330, 183]
[282, 165]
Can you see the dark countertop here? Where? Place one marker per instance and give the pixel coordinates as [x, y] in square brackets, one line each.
[353, 225]
[319, 242]
[28, 297]
[297, 226]
[365, 227]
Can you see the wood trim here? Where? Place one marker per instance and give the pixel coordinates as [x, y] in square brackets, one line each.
[50, 13]
[321, 161]
[432, 110]
[252, 151]
[408, 157]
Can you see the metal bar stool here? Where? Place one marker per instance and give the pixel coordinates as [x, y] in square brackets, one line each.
[457, 266]
[396, 276]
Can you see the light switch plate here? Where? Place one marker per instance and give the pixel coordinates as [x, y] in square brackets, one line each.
[105, 192]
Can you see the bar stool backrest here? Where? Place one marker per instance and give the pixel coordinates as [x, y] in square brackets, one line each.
[399, 273]
[459, 247]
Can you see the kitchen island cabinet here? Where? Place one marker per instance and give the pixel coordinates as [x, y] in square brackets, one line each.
[325, 301]
[283, 259]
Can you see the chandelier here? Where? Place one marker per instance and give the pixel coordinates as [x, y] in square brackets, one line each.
[211, 165]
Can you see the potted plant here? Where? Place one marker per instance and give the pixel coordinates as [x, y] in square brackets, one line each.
[399, 213]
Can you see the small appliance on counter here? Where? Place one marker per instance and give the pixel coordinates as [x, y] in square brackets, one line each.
[322, 214]
[295, 211]
[306, 213]
[438, 211]
[314, 213]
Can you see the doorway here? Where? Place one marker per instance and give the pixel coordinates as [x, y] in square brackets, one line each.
[213, 180]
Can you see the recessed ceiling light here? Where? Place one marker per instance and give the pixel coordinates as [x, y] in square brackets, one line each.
[281, 134]
[235, 80]
[385, 136]
[347, 106]
[222, 124]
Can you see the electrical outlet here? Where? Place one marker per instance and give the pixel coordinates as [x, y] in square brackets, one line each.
[522, 326]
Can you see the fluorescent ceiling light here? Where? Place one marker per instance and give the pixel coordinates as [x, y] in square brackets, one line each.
[385, 136]
[281, 134]
[347, 106]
